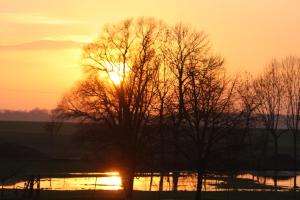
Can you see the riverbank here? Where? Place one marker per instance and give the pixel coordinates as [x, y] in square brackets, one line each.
[118, 195]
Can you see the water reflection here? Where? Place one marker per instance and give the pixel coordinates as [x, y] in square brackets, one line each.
[81, 181]
[187, 181]
[285, 181]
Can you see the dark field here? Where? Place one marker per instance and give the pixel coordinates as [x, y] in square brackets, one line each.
[36, 149]
[65, 143]
[35, 136]
[118, 195]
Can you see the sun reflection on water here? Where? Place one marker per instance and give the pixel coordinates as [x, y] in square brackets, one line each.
[113, 181]
[83, 181]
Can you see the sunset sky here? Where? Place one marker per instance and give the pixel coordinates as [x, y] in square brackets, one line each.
[41, 40]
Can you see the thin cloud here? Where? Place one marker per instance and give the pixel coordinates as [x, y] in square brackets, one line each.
[36, 19]
[43, 44]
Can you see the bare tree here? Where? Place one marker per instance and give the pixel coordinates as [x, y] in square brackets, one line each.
[248, 98]
[121, 69]
[163, 97]
[291, 76]
[209, 110]
[53, 127]
[248, 103]
[270, 93]
[184, 47]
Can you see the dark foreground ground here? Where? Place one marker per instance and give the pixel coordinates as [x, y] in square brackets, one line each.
[29, 147]
[118, 195]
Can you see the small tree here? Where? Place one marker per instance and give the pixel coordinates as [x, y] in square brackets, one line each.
[291, 76]
[53, 127]
[248, 103]
[270, 92]
[163, 98]
[184, 47]
[209, 110]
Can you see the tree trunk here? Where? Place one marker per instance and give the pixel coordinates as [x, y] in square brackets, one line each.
[151, 182]
[264, 149]
[199, 184]
[162, 151]
[175, 181]
[276, 160]
[129, 190]
[276, 152]
[175, 174]
[295, 163]
[128, 185]
[161, 182]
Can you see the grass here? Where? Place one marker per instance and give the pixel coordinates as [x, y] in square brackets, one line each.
[118, 195]
[34, 134]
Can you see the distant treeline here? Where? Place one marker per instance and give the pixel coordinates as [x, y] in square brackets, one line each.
[35, 114]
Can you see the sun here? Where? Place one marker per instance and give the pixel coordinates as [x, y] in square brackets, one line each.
[115, 77]
[115, 72]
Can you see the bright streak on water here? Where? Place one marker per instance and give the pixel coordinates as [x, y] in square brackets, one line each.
[186, 182]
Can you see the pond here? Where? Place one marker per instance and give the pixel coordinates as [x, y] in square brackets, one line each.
[187, 181]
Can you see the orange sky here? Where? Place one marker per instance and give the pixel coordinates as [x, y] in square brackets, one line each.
[40, 40]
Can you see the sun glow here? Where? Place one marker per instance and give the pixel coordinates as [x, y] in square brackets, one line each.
[111, 181]
[115, 77]
[115, 72]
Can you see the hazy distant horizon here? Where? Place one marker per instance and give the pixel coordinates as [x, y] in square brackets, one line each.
[36, 114]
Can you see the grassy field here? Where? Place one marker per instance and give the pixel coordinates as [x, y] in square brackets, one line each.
[67, 148]
[118, 195]
[34, 134]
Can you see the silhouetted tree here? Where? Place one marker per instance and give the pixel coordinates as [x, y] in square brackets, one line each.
[291, 76]
[121, 68]
[163, 98]
[53, 127]
[209, 110]
[185, 46]
[270, 92]
[248, 103]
